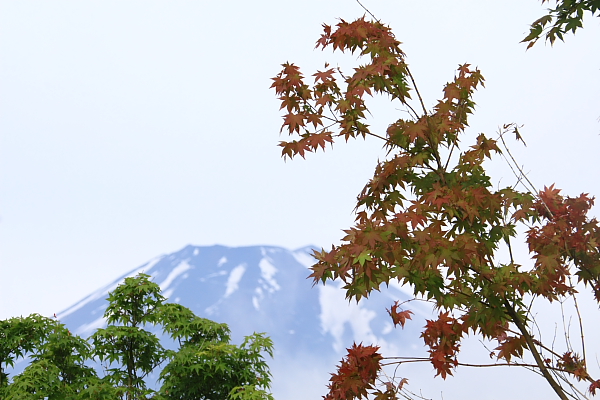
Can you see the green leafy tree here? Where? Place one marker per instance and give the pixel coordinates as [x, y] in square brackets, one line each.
[17, 337]
[205, 364]
[124, 342]
[431, 220]
[57, 369]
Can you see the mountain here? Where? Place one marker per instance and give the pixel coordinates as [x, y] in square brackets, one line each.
[264, 289]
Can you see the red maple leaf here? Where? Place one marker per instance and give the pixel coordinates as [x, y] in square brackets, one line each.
[294, 122]
[324, 76]
[399, 317]
[595, 385]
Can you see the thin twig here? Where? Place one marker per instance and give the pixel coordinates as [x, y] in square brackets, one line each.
[449, 156]
[416, 116]
[367, 10]
[580, 325]
[412, 79]
[536, 355]
[522, 174]
[507, 240]
[565, 330]
[532, 186]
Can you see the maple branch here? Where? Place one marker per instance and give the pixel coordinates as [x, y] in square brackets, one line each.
[315, 111]
[572, 387]
[415, 115]
[367, 10]
[406, 360]
[412, 79]
[580, 326]
[411, 394]
[555, 354]
[380, 137]
[507, 364]
[561, 374]
[449, 156]
[536, 355]
[371, 134]
[468, 296]
[565, 330]
[523, 175]
[512, 260]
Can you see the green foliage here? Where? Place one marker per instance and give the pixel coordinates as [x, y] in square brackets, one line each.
[566, 17]
[205, 366]
[430, 218]
[136, 351]
[218, 370]
[17, 337]
[57, 369]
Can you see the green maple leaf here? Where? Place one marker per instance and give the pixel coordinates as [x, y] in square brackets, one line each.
[363, 257]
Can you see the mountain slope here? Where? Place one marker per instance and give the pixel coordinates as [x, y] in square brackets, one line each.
[263, 289]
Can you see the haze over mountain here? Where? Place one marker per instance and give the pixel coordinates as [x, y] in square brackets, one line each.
[264, 289]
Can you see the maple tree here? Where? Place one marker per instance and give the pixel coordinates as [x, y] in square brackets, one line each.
[431, 219]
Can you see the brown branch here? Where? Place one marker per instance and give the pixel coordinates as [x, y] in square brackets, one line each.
[367, 10]
[416, 115]
[532, 186]
[371, 134]
[580, 325]
[412, 79]
[536, 355]
[405, 360]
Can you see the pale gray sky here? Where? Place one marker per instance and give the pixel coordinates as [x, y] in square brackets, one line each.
[129, 129]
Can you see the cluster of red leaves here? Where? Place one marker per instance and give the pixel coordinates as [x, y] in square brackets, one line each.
[510, 346]
[573, 364]
[325, 101]
[595, 385]
[427, 218]
[566, 236]
[442, 336]
[356, 374]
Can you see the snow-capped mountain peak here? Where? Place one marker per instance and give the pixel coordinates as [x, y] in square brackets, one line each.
[260, 289]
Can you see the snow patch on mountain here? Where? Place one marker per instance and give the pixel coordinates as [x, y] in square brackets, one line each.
[234, 279]
[220, 273]
[257, 298]
[337, 313]
[178, 270]
[88, 329]
[264, 289]
[268, 271]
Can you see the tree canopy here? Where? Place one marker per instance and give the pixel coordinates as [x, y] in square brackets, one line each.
[115, 362]
[431, 219]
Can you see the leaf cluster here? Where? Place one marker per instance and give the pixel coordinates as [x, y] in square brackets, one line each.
[205, 365]
[356, 374]
[567, 16]
[430, 218]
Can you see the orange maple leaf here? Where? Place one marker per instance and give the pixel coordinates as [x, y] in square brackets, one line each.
[293, 121]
